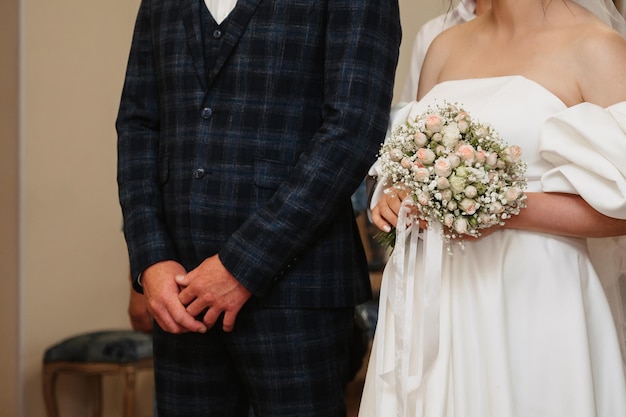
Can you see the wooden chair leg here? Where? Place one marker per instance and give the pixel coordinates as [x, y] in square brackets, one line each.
[96, 394]
[130, 377]
[49, 391]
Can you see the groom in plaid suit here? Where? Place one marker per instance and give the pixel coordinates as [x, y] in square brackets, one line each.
[243, 129]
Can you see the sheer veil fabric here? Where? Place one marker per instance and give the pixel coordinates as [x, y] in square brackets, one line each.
[607, 12]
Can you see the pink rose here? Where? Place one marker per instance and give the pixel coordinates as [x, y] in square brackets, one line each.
[469, 206]
[420, 174]
[442, 183]
[466, 153]
[512, 154]
[443, 168]
[491, 159]
[448, 220]
[481, 156]
[425, 155]
[406, 163]
[434, 123]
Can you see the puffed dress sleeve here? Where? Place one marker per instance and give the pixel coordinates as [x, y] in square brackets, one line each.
[586, 144]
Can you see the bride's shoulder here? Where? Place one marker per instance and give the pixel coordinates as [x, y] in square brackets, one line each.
[455, 40]
[600, 59]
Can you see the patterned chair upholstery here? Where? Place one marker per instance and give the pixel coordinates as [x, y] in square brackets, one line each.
[95, 354]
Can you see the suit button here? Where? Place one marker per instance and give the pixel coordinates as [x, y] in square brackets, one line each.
[206, 113]
[198, 173]
[217, 34]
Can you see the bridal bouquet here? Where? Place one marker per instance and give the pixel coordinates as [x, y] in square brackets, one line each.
[457, 170]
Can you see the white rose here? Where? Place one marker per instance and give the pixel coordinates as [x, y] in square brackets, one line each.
[446, 195]
[470, 191]
[454, 160]
[448, 220]
[420, 174]
[461, 226]
[481, 132]
[512, 194]
[496, 208]
[423, 198]
[420, 139]
[463, 125]
[450, 135]
[485, 219]
[395, 155]
[457, 184]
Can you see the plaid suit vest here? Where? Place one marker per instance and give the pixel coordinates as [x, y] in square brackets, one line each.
[212, 34]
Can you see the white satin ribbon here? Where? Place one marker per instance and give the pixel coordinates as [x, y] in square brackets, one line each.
[411, 284]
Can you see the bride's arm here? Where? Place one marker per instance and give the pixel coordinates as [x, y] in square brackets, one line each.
[565, 215]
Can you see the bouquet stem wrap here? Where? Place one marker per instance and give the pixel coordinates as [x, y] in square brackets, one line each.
[410, 289]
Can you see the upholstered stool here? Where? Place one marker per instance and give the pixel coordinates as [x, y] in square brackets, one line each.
[122, 352]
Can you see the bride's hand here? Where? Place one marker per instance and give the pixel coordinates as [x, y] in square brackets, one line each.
[385, 213]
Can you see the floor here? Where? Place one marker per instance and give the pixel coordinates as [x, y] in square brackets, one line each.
[353, 395]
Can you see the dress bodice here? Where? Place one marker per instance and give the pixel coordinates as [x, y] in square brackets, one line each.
[514, 105]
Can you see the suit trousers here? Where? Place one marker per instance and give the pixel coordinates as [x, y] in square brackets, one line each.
[282, 362]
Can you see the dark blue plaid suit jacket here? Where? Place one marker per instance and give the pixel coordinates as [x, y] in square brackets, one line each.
[253, 153]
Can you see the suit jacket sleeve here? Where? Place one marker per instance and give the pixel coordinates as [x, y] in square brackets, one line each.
[362, 44]
[138, 153]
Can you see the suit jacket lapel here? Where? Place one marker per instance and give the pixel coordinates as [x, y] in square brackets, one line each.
[238, 21]
[193, 30]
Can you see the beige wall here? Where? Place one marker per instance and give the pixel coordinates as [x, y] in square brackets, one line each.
[9, 347]
[72, 274]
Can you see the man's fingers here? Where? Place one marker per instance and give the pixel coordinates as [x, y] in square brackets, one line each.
[175, 319]
[211, 316]
[228, 323]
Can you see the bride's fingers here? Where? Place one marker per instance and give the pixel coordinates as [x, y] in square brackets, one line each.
[379, 221]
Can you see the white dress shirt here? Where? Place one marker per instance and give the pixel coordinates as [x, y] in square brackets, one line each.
[220, 8]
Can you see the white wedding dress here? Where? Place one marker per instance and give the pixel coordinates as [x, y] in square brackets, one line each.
[517, 324]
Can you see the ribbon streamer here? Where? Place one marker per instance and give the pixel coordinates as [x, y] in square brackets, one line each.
[410, 294]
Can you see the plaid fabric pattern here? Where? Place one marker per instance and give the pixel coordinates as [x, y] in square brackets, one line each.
[253, 152]
[282, 362]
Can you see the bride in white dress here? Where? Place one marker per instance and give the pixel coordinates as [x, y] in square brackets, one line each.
[517, 323]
